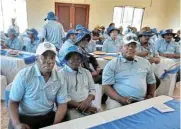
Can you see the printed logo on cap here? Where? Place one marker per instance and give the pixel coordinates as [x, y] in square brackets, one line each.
[47, 45]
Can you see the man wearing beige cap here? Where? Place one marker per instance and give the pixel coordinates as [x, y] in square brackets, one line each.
[128, 78]
[34, 91]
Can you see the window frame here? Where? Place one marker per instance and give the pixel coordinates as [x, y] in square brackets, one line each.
[123, 7]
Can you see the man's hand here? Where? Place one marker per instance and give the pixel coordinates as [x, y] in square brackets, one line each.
[154, 60]
[22, 126]
[98, 70]
[83, 105]
[149, 96]
[91, 110]
[94, 73]
[125, 100]
[144, 53]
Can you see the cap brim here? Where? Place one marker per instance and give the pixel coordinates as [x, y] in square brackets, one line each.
[66, 56]
[131, 41]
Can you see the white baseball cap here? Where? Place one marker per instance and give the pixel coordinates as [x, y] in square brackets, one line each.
[45, 46]
[130, 38]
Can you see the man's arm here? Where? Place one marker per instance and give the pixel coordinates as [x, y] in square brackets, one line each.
[73, 104]
[14, 113]
[114, 95]
[60, 113]
[150, 91]
[142, 54]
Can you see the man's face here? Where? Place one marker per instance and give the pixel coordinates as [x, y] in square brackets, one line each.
[144, 39]
[46, 61]
[168, 37]
[129, 50]
[79, 31]
[74, 61]
[84, 43]
[30, 36]
[73, 37]
[11, 36]
[114, 34]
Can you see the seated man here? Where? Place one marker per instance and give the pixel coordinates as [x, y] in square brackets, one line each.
[81, 87]
[34, 91]
[31, 46]
[167, 47]
[146, 49]
[128, 78]
[13, 42]
[69, 41]
[92, 43]
[112, 44]
[89, 62]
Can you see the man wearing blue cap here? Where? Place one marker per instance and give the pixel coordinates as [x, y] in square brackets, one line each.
[89, 61]
[166, 46]
[128, 78]
[34, 92]
[80, 85]
[79, 28]
[31, 46]
[69, 41]
[146, 49]
[53, 31]
[13, 42]
[112, 44]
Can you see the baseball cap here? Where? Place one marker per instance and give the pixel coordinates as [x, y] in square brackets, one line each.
[45, 46]
[130, 38]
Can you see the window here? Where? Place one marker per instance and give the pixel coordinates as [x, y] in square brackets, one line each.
[13, 9]
[128, 16]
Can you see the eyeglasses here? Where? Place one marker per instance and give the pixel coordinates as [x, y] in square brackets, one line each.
[132, 38]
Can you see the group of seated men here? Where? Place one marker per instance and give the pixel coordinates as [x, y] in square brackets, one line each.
[41, 96]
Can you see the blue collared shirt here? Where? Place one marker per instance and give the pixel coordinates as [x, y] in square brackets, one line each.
[91, 46]
[15, 44]
[54, 32]
[111, 46]
[31, 47]
[167, 48]
[152, 52]
[36, 96]
[79, 83]
[129, 78]
[63, 50]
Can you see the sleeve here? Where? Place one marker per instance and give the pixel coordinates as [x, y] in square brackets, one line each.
[108, 77]
[94, 49]
[20, 45]
[150, 78]
[104, 48]
[17, 88]
[91, 84]
[62, 95]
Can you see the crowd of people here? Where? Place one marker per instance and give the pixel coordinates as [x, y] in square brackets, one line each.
[41, 95]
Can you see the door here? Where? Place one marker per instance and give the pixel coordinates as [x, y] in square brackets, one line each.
[63, 12]
[72, 14]
[81, 13]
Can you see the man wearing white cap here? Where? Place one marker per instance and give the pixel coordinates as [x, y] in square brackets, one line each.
[128, 78]
[35, 90]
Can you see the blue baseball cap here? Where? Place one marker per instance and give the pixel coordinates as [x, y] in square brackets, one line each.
[13, 31]
[50, 16]
[34, 32]
[154, 30]
[71, 31]
[81, 35]
[72, 49]
[79, 27]
[168, 31]
[110, 29]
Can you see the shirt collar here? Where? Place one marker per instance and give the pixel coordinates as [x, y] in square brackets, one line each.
[125, 60]
[53, 76]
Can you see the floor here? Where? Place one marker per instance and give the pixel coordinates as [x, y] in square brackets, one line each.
[5, 118]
